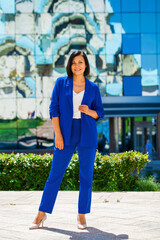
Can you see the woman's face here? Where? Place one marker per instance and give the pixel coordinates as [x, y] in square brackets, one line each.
[78, 65]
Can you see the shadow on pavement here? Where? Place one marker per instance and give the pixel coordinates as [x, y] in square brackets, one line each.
[92, 234]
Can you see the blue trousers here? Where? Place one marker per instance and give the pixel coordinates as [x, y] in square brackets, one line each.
[61, 159]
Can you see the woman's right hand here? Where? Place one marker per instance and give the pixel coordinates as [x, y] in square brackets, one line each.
[59, 142]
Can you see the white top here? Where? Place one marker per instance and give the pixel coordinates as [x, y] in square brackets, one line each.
[77, 99]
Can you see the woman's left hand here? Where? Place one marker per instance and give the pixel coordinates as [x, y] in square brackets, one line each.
[84, 109]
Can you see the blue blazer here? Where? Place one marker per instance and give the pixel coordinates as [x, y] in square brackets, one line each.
[62, 106]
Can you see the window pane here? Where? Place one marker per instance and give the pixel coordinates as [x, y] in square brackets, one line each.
[131, 65]
[148, 23]
[158, 22]
[158, 66]
[148, 5]
[158, 43]
[115, 23]
[24, 6]
[158, 6]
[149, 63]
[130, 6]
[130, 43]
[148, 43]
[132, 86]
[8, 7]
[113, 6]
[131, 22]
[114, 43]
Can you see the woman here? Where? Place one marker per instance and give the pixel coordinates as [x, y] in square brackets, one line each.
[75, 107]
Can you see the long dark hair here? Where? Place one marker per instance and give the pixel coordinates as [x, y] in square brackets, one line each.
[74, 54]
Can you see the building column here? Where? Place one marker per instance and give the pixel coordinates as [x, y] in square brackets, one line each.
[113, 134]
[158, 135]
[132, 133]
[123, 134]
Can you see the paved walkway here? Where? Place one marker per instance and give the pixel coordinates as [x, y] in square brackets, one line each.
[115, 215]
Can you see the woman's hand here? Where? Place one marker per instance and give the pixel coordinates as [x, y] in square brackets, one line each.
[84, 108]
[59, 142]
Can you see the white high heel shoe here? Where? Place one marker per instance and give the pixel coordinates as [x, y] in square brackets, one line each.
[81, 226]
[36, 226]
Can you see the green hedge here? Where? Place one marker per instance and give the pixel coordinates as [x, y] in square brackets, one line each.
[117, 172]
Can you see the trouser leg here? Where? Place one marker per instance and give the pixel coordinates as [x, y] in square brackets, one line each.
[61, 159]
[86, 165]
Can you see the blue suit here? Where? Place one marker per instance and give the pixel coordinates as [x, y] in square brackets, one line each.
[80, 133]
[62, 106]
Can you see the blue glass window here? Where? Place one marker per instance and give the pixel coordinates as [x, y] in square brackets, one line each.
[148, 43]
[158, 22]
[130, 6]
[132, 86]
[158, 43]
[149, 80]
[113, 6]
[131, 43]
[148, 23]
[115, 23]
[159, 67]
[158, 6]
[114, 43]
[148, 5]
[149, 63]
[7, 7]
[131, 22]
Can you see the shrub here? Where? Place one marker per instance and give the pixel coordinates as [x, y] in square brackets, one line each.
[117, 172]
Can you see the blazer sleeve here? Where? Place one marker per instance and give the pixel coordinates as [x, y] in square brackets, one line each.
[54, 105]
[97, 104]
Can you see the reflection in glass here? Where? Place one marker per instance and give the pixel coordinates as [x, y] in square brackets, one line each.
[114, 85]
[131, 43]
[45, 136]
[42, 107]
[149, 63]
[150, 91]
[148, 5]
[132, 86]
[94, 7]
[148, 43]
[25, 44]
[28, 26]
[7, 88]
[148, 22]
[115, 23]
[24, 6]
[44, 86]
[131, 65]
[7, 24]
[8, 138]
[131, 22]
[130, 6]
[27, 138]
[6, 7]
[5, 111]
[26, 108]
[113, 6]
[113, 44]
[7, 66]
[26, 87]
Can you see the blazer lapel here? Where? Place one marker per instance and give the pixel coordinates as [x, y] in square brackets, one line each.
[69, 91]
[86, 92]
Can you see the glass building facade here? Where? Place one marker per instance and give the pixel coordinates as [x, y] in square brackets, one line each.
[122, 42]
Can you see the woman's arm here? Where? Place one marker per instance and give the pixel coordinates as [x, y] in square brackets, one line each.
[59, 142]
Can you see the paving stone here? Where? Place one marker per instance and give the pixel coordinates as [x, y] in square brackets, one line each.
[114, 216]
